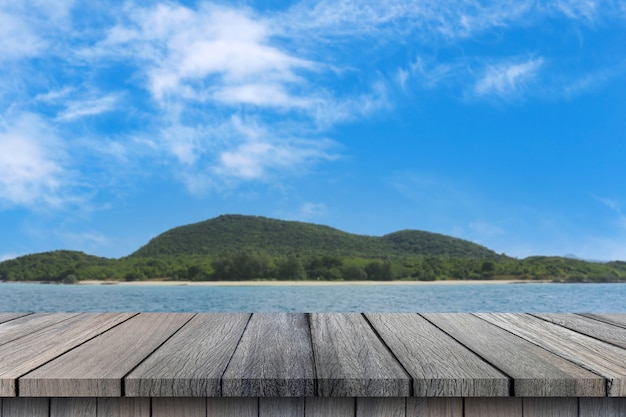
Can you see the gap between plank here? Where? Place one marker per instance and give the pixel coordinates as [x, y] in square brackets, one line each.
[35, 331]
[577, 331]
[17, 379]
[607, 381]
[232, 355]
[123, 381]
[510, 378]
[307, 316]
[411, 386]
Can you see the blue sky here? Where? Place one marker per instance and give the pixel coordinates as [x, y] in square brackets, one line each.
[501, 122]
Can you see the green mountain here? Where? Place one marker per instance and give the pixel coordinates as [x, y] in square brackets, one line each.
[235, 247]
[56, 265]
[279, 237]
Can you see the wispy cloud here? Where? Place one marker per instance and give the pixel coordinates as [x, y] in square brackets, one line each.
[339, 20]
[17, 40]
[262, 152]
[31, 163]
[578, 9]
[507, 79]
[310, 210]
[234, 94]
[214, 52]
[91, 239]
[616, 207]
[25, 28]
[76, 109]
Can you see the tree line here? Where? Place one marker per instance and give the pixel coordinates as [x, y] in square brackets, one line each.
[251, 264]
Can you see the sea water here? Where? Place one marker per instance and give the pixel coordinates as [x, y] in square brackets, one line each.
[527, 297]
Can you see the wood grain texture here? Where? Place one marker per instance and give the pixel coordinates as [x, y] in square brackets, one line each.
[281, 407]
[550, 407]
[351, 361]
[602, 407]
[233, 407]
[192, 362]
[124, 407]
[179, 407]
[326, 407]
[273, 359]
[434, 407]
[493, 407]
[73, 407]
[25, 407]
[615, 319]
[20, 327]
[4, 317]
[380, 407]
[598, 330]
[438, 364]
[536, 372]
[606, 360]
[96, 368]
[21, 356]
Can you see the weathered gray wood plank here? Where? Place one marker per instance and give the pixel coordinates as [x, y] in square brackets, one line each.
[283, 407]
[327, 406]
[604, 359]
[550, 407]
[536, 372]
[439, 365]
[73, 407]
[23, 407]
[192, 362]
[233, 407]
[493, 407]
[602, 407]
[273, 359]
[351, 361]
[179, 407]
[96, 368]
[124, 407]
[29, 352]
[590, 327]
[20, 327]
[618, 319]
[434, 407]
[381, 407]
[4, 317]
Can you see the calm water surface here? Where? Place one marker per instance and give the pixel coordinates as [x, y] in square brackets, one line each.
[386, 298]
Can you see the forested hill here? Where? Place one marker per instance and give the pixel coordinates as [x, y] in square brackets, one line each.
[279, 237]
[235, 247]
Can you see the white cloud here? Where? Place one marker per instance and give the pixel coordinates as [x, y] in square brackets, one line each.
[25, 26]
[507, 79]
[75, 109]
[83, 239]
[214, 51]
[262, 152]
[262, 95]
[31, 163]
[17, 40]
[430, 73]
[340, 20]
[311, 210]
[578, 9]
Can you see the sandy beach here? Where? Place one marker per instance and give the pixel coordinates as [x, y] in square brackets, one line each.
[298, 283]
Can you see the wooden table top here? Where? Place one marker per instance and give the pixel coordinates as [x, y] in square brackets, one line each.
[310, 355]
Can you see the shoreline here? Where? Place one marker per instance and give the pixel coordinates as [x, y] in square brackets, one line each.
[302, 283]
